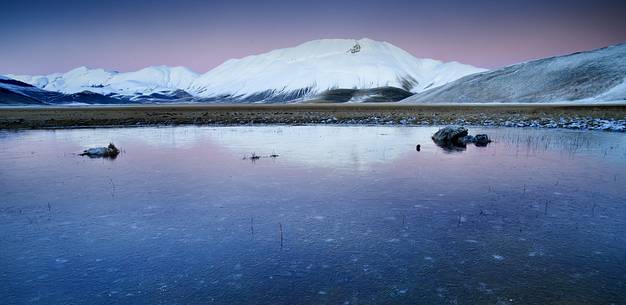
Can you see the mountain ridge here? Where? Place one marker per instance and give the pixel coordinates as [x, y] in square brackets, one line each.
[338, 71]
[282, 75]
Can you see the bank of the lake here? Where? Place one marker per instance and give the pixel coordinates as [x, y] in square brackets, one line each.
[577, 116]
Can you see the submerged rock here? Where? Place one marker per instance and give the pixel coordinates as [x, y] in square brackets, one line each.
[102, 152]
[469, 139]
[456, 138]
[479, 139]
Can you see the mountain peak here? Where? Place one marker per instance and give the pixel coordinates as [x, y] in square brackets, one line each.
[324, 64]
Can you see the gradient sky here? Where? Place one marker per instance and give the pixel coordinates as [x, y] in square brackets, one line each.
[38, 37]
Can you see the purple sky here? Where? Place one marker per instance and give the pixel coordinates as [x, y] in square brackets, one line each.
[41, 37]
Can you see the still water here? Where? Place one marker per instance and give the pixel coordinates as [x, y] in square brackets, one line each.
[343, 215]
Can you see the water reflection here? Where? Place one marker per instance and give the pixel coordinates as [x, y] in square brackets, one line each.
[343, 215]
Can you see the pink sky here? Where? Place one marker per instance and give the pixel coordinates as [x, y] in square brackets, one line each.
[123, 36]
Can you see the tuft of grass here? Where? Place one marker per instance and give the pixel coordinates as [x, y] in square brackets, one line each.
[280, 227]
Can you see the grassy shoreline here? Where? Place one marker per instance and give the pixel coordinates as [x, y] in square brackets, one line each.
[220, 114]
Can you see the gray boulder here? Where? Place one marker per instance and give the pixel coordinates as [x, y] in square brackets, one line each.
[450, 136]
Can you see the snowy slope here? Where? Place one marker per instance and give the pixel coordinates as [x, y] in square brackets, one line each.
[282, 75]
[13, 92]
[146, 81]
[593, 76]
[316, 66]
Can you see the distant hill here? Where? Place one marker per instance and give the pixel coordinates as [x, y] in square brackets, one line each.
[14, 92]
[593, 76]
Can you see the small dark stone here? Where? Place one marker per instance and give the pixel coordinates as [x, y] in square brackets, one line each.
[481, 140]
[418, 147]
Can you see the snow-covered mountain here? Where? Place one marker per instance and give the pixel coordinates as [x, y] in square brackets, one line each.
[307, 71]
[151, 80]
[14, 92]
[338, 70]
[314, 67]
[592, 76]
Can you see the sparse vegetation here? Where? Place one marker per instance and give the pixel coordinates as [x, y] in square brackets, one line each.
[254, 157]
[510, 115]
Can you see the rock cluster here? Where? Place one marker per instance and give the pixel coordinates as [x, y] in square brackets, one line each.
[452, 137]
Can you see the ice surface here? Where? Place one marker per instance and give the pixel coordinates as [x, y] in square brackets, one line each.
[180, 218]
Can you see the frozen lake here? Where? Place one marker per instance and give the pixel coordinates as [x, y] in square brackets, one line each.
[180, 217]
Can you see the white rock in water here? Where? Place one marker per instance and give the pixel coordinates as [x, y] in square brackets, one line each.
[98, 152]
